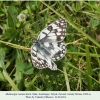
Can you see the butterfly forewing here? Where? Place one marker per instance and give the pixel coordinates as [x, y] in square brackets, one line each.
[49, 46]
[56, 31]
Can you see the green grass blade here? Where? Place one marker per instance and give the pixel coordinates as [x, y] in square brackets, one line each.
[88, 68]
[10, 81]
[66, 79]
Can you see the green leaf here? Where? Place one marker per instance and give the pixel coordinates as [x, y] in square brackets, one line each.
[24, 68]
[94, 22]
[10, 33]
[12, 12]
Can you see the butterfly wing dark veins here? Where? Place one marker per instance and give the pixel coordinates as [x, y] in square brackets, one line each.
[49, 46]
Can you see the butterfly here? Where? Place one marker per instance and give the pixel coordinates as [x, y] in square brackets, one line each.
[49, 46]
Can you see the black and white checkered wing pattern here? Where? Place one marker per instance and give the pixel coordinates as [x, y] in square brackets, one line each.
[40, 61]
[49, 46]
[56, 31]
[61, 53]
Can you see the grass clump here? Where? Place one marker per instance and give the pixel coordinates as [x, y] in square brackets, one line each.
[22, 21]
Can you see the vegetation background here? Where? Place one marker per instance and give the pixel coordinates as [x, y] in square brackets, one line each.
[22, 21]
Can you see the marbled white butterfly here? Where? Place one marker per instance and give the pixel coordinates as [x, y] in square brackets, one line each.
[49, 46]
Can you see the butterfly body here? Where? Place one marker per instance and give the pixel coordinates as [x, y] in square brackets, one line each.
[49, 46]
[42, 49]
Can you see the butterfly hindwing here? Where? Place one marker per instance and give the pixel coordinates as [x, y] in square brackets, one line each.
[61, 53]
[56, 49]
[40, 61]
